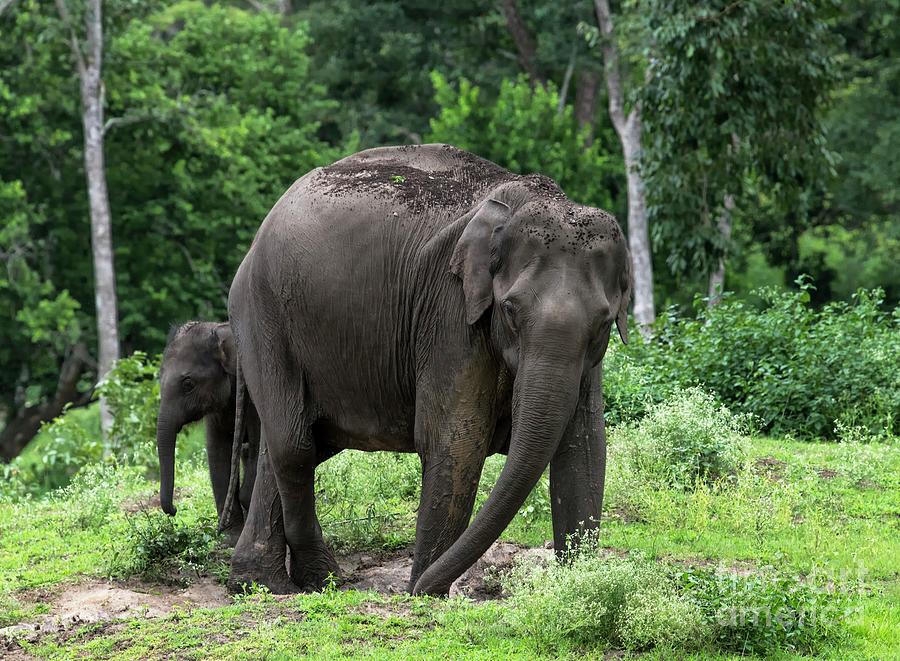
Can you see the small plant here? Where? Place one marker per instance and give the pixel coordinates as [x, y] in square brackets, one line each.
[686, 439]
[765, 612]
[158, 545]
[398, 178]
[593, 601]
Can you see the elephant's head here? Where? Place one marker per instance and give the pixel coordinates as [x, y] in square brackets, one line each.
[196, 379]
[551, 278]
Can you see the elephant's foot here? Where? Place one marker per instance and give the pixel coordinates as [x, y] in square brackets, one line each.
[268, 569]
[313, 569]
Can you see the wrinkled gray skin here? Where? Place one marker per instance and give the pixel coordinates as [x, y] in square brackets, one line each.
[197, 380]
[420, 299]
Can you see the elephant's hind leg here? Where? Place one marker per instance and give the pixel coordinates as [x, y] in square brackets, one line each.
[294, 461]
[260, 554]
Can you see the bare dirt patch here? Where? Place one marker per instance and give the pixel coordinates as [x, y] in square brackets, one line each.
[101, 601]
[770, 467]
[389, 574]
[826, 473]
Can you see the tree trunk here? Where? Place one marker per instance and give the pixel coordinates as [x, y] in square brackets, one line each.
[525, 44]
[717, 277]
[586, 103]
[629, 132]
[89, 63]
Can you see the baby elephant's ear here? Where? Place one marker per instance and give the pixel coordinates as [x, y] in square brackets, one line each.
[225, 348]
[471, 260]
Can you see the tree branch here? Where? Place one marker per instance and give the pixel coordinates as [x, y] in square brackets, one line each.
[125, 120]
[74, 44]
[524, 42]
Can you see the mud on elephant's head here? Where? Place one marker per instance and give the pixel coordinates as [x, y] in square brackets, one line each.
[196, 379]
[555, 275]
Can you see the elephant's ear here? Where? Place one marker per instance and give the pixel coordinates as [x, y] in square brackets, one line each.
[225, 350]
[471, 258]
[626, 282]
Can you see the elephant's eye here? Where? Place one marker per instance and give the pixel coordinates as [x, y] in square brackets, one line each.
[509, 310]
[187, 384]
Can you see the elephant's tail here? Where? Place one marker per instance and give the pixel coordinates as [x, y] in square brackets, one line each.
[236, 443]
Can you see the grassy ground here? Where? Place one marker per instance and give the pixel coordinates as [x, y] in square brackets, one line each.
[828, 510]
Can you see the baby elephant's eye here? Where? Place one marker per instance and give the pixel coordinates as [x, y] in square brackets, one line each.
[187, 384]
[509, 310]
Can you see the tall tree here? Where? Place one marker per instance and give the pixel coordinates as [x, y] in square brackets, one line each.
[628, 128]
[211, 113]
[88, 57]
[732, 100]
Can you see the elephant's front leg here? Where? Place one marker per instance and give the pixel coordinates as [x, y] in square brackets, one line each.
[219, 437]
[578, 469]
[453, 429]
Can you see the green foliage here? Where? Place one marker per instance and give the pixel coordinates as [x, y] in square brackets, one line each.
[132, 393]
[213, 112]
[767, 611]
[523, 130]
[60, 450]
[368, 499]
[376, 58]
[36, 314]
[160, 545]
[798, 370]
[594, 601]
[72, 441]
[686, 439]
[730, 106]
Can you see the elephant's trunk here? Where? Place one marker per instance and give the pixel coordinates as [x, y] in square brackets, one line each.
[544, 398]
[166, 431]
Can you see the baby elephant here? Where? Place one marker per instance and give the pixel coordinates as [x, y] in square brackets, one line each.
[197, 380]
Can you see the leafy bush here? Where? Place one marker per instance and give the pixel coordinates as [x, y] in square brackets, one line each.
[765, 612]
[597, 602]
[50, 461]
[159, 544]
[797, 369]
[71, 441]
[132, 393]
[686, 439]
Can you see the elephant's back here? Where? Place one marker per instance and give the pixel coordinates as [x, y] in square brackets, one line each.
[425, 181]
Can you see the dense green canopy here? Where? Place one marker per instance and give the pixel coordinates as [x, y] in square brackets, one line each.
[215, 108]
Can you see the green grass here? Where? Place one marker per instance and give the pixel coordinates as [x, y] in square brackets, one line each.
[810, 508]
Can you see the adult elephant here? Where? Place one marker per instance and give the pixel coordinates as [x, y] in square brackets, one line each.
[197, 381]
[422, 299]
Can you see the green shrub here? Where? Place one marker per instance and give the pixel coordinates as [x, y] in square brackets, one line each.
[159, 544]
[49, 462]
[765, 612]
[797, 369]
[686, 439]
[598, 602]
[132, 393]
